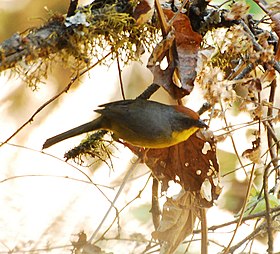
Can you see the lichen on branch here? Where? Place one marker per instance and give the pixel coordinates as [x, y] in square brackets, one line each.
[74, 41]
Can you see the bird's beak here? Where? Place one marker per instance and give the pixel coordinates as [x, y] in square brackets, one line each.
[201, 124]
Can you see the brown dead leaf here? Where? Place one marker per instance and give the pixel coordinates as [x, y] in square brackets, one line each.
[178, 218]
[143, 12]
[192, 164]
[181, 53]
[254, 153]
[161, 49]
[186, 38]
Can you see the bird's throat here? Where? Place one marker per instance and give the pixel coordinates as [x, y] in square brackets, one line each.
[181, 136]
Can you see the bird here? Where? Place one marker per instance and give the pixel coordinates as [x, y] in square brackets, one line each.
[139, 122]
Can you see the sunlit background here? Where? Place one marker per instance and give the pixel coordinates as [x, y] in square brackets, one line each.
[45, 201]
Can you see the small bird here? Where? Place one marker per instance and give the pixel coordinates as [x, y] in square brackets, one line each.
[140, 122]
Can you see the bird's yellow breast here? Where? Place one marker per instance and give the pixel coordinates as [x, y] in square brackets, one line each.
[181, 136]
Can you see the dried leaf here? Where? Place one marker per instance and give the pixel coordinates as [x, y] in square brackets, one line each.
[179, 215]
[178, 78]
[254, 153]
[187, 43]
[143, 12]
[192, 164]
[268, 76]
[161, 49]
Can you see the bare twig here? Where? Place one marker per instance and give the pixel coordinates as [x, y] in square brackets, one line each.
[233, 142]
[245, 218]
[120, 210]
[227, 250]
[178, 12]
[273, 136]
[65, 90]
[165, 27]
[257, 46]
[272, 149]
[149, 91]
[155, 210]
[129, 172]
[204, 231]
[244, 71]
[275, 18]
[248, 238]
[267, 204]
[72, 8]
[120, 78]
[205, 106]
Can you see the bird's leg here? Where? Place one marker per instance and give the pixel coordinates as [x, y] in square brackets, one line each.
[144, 158]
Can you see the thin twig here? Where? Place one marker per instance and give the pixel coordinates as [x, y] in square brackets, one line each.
[271, 130]
[232, 141]
[204, 231]
[72, 8]
[256, 45]
[274, 16]
[245, 218]
[165, 27]
[268, 209]
[245, 71]
[227, 250]
[276, 65]
[155, 210]
[102, 237]
[120, 78]
[170, 22]
[252, 240]
[149, 91]
[205, 106]
[55, 176]
[129, 172]
[71, 165]
[272, 149]
[65, 90]
[248, 189]
[248, 238]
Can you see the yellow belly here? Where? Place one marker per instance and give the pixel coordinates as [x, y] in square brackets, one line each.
[178, 137]
[161, 142]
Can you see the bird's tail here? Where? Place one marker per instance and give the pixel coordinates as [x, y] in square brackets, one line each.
[87, 127]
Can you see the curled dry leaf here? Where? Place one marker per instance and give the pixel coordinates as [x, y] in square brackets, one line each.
[178, 218]
[181, 52]
[268, 76]
[254, 153]
[143, 12]
[161, 49]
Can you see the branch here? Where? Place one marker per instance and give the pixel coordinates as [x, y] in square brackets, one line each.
[50, 101]
[129, 172]
[73, 40]
[37, 43]
[267, 204]
[245, 218]
[248, 238]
